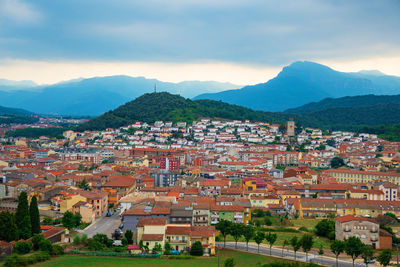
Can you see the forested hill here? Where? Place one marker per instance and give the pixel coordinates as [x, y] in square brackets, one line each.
[13, 111]
[167, 107]
[348, 101]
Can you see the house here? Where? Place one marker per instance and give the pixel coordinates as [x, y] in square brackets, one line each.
[364, 228]
[154, 231]
[151, 231]
[118, 187]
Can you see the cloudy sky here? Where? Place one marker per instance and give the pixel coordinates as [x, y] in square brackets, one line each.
[240, 41]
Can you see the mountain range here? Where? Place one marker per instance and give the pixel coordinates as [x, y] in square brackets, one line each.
[303, 82]
[93, 96]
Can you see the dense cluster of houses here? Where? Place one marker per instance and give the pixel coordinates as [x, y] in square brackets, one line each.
[174, 182]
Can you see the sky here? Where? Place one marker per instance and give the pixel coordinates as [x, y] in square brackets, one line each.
[237, 41]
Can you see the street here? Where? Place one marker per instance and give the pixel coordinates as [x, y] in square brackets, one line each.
[104, 225]
[289, 254]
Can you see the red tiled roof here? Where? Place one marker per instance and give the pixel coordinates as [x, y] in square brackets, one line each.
[152, 237]
[178, 230]
[202, 231]
[348, 218]
[151, 221]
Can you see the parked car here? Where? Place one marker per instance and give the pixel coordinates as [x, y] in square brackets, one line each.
[117, 235]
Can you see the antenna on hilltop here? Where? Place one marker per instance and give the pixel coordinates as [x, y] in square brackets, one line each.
[155, 88]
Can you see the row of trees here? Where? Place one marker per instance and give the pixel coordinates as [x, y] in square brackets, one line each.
[24, 224]
[355, 248]
[249, 232]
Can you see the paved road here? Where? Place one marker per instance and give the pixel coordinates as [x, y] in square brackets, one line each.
[104, 225]
[289, 254]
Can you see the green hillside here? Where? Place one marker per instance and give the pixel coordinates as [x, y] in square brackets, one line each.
[167, 107]
[347, 101]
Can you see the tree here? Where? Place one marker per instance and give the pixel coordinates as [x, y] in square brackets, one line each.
[197, 249]
[8, 229]
[324, 227]
[129, 236]
[248, 233]
[34, 216]
[295, 243]
[353, 247]
[22, 217]
[258, 238]
[258, 213]
[157, 249]
[223, 226]
[271, 238]
[236, 230]
[167, 248]
[285, 243]
[337, 162]
[306, 243]
[77, 219]
[84, 185]
[385, 257]
[68, 220]
[337, 247]
[367, 254]
[330, 142]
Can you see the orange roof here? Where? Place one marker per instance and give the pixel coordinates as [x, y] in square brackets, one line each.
[349, 218]
[120, 181]
[151, 221]
[152, 237]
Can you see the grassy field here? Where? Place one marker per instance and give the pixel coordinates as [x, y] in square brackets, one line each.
[309, 223]
[240, 258]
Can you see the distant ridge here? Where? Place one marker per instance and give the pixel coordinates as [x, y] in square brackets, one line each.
[94, 96]
[303, 82]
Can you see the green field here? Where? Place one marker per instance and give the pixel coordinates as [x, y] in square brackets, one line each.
[241, 259]
[309, 223]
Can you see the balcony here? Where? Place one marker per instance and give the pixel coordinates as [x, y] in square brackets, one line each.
[346, 229]
[374, 230]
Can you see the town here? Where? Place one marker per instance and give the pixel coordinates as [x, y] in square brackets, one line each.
[183, 188]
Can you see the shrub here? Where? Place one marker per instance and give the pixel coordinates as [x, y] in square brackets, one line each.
[36, 239]
[124, 241]
[267, 221]
[304, 229]
[45, 245]
[47, 221]
[17, 260]
[95, 245]
[332, 235]
[22, 247]
[84, 239]
[229, 262]
[197, 249]
[77, 240]
[57, 250]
